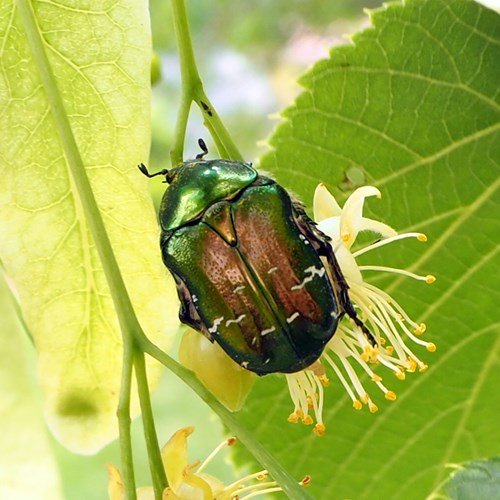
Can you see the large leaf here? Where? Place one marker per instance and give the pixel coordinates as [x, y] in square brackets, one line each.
[413, 103]
[99, 55]
[27, 467]
[477, 480]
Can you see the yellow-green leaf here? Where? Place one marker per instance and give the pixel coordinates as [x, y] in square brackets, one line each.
[100, 56]
[27, 467]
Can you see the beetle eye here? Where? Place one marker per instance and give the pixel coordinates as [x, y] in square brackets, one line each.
[169, 177]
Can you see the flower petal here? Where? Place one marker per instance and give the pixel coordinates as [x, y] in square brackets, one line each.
[116, 490]
[352, 213]
[324, 204]
[175, 458]
[331, 227]
[377, 227]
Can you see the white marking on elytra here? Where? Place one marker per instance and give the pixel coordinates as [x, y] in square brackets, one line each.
[272, 270]
[254, 340]
[217, 322]
[313, 271]
[304, 239]
[268, 330]
[194, 298]
[293, 317]
[244, 364]
[334, 314]
[267, 361]
[237, 320]
[239, 288]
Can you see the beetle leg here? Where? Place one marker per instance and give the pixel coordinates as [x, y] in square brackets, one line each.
[342, 287]
[188, 313]
[321, 243]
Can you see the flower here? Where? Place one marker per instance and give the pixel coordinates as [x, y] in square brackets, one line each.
[388, 323]
[189, 482]
[224, 378]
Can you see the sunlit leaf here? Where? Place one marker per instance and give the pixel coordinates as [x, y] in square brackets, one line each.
[27, 467]
[100, 57]
[412, 103]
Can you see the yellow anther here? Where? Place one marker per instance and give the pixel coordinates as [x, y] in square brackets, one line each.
[377, 378]
[365, 398]
[391, 396]
[389, 350]
[262, 476]
[430, 279]
[356, 404]
[420, 329]
[231, 441]
[293, 418]
[325, 381]
[299, 413]
[381, 341]
[307, 420]
[309, 402]
[431, 347]
[345, 237]
[372, 407]
[422, 237]
[319, 430]
[412, 365]
[400, 374]
[306, 481]
[422, 367]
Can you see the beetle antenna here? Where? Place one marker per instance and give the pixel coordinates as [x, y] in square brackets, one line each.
[145, 171]
[204, 149]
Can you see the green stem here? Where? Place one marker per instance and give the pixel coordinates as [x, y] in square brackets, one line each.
[124, 422]
[155, 461]
[192, 91]
[261, 454]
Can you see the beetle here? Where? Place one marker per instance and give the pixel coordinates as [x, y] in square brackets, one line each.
[253, 271]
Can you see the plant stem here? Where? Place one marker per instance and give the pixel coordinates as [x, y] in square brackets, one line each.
[261, 454]
[155, 461]
[192, 90]
[124, 421]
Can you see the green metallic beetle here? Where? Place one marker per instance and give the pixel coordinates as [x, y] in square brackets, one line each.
[253, 272]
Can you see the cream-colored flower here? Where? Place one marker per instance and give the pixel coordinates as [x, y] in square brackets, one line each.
[188, 481]
[382, 315]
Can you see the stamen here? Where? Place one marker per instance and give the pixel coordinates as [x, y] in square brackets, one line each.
[428, 279]
[319, 430]
[372, 406]
[391, 396]
[240, 483]
[262, 492]
[343, 381]
[227, 442]
[306, 481]
[386, 241]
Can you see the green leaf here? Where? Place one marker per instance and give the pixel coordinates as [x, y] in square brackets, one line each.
[478, 480]
[412, 102]
[27, 467]
[100, 59]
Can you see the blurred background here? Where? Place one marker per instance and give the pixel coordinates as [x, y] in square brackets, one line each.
[250, 54]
